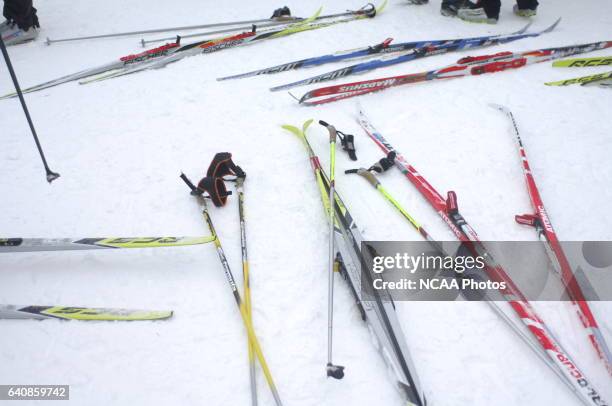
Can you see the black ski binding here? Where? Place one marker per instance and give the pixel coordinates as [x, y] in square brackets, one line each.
[281, 12]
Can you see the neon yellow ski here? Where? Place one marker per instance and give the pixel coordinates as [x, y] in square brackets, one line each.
[582, 80]
[583, 62]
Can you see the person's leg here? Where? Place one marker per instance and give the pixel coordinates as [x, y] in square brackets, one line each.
[523, 4]
[21, 13]
[22, 22]
[491, 8]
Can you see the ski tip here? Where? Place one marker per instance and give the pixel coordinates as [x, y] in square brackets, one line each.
[51, 176]
[552, 27]
[380, 8]
[499, 107]
[524, 29]
[306, 125]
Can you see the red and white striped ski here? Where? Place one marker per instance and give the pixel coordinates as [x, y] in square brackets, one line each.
[546, 233]
[468, 66]
[448, 210]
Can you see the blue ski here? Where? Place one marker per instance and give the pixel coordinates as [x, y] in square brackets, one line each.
[415, 53]
[384, 47]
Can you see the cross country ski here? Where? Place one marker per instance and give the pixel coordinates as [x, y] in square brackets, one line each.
[76, 244]
[583, 62]
[161, 56]
[378, 313]
[385, 47]
[540, 221]
[583, 80]
[80, 313]
[448, 210]
[415, 53]
[468, 66]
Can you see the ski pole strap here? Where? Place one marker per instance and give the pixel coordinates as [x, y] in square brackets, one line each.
[381, 166]
[346, 140]
[215, 187]
[348, 144]
[223, 165]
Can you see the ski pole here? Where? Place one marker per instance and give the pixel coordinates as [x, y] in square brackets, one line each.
[50, 41]
[232, 282]
[51, 176]
[267, 23]
[335, 371]
[246, 281]
[145, 42]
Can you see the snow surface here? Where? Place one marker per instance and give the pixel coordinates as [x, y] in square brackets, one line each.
[121, 144]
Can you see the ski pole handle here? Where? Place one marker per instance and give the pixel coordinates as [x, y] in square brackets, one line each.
[369, 176]
[331, 129]
[189, 183]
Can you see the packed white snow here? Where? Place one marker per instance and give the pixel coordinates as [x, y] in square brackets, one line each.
[121, 144]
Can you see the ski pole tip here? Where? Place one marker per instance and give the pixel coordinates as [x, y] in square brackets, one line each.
[335, 371]
[51, 176]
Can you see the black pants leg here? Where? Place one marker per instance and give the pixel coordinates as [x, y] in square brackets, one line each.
[530, 4]
[491, 7]
[21, 13]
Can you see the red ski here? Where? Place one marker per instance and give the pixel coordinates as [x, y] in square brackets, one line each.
[449, 211]
[468, 66]
[546, 233]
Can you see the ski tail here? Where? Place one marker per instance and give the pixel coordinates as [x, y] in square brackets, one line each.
[379, 313]
[80, 313]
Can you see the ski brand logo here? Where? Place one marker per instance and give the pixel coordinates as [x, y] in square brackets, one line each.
[221, 46]
[380, 83]
[545, 220]
[596, 62]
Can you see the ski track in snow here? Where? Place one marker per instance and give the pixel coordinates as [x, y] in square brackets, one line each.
[121, 144]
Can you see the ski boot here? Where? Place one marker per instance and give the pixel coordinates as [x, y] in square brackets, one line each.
[476, 15]
[449, 8]
[14, 35]
[524, 12]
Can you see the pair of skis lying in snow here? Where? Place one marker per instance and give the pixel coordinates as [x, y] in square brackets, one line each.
[11, 245]
[163, 55]
[408, 51]
[468, 66]
[599, 79]
[380, 313]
